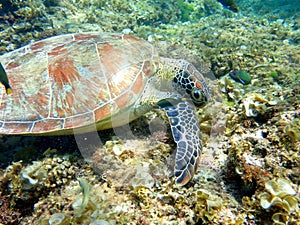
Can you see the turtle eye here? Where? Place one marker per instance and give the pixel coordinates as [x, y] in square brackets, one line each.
[198, 96]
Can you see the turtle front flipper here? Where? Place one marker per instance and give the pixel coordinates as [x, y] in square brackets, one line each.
[186, 133]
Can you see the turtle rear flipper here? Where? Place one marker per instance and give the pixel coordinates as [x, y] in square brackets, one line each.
[186, 133]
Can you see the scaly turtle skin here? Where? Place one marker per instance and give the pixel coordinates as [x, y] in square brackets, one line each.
[70, 83]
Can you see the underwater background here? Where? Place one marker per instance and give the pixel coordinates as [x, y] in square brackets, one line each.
[250, 166]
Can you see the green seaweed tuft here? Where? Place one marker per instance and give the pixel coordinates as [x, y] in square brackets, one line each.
[274, 75]
[186, 9]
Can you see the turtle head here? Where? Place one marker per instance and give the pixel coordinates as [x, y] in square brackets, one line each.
[193, 83]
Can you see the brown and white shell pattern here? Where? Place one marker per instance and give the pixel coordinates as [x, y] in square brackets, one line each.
[72, 81]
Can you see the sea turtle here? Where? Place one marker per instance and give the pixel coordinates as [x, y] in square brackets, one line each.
[76, 81]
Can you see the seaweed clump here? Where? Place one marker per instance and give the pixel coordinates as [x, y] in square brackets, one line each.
[280, 198]
[256, 105]
[233, 90]
[207, 206]
[186, 9]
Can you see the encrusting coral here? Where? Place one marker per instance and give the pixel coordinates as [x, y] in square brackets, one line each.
[28, 183]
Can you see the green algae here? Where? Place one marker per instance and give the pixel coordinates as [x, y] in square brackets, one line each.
[230, 103]
[186, 9]
[274, 75]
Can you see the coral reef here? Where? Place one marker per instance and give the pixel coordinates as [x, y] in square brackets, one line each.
[133, 162]
[110, 206]
[249, 170]
[21, 22]
[24, 185]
